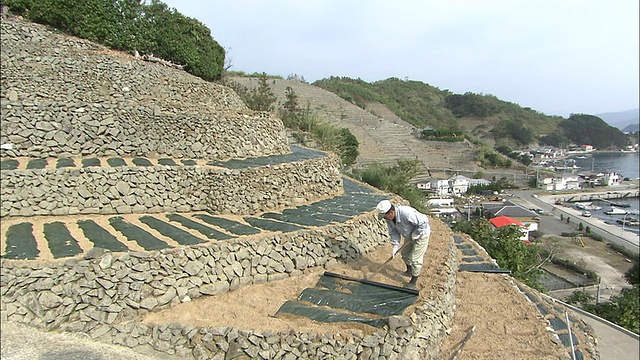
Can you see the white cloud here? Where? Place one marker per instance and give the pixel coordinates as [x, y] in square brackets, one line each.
[557, 57]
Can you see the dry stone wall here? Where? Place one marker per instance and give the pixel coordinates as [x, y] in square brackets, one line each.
[66, 97]
[104, 294]
[155, 189]
[82, 129]
[40, 66]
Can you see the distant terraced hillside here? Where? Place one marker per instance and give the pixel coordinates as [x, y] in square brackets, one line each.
[383, 137]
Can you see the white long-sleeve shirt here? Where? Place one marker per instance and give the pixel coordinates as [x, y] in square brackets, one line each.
[407, 221]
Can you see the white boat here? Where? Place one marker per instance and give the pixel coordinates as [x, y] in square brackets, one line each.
[586, 214]
[587, 206]
[582, 205]
[615, 211]
[581, 157]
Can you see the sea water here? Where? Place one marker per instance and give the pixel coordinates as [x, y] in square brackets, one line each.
[625, 164]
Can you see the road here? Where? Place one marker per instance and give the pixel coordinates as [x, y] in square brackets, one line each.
[551, 224]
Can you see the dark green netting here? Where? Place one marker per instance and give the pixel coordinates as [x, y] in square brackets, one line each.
[543, 309]
[60, 241]
[315, 212]
[566, 340]
[65, 162]
[180, 236]
[100, 237]
[577, 354]
[458, 239]
[362, 298]
[473, 259]
[134, 233]
[202, 229]
[557, 324]
[271, 225]
[9, 164]
[21, 244]
[189, 162]
[116, 162]
[141, 162]
[469, 252]
[464, 246]
[301, 220]
[231, 226]
[326, 315]
[353, 187]
[37, 164]
[378, 301]
[90, 162]
[483, 267]
[167, 162]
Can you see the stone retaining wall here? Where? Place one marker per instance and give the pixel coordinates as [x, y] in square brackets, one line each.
[41, 66]
[105, 294]
[154, 189]
[95, 129]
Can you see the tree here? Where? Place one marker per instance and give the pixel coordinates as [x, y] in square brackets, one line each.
[633, 275]
[580, 297]
[262, 97]
[623, 310]
[589, 129]
[505, 246]
[290, 112]
[348, 146]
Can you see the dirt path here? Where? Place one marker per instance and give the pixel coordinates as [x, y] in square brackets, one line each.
[507, 325]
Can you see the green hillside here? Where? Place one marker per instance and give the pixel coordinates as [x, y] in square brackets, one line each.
[486, 117]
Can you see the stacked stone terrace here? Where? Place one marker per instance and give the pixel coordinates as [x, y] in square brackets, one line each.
[128, 187]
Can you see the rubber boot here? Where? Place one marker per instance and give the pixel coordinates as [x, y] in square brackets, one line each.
[408, 271]
[412, 282]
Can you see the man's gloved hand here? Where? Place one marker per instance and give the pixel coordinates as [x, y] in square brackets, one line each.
[415, 235]
[394, 251]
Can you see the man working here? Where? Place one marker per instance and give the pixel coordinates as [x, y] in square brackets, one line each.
[414, 226]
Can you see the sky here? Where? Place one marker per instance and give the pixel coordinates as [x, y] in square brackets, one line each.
[555, 56]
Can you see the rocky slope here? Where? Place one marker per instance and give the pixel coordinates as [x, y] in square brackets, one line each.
[383, 137]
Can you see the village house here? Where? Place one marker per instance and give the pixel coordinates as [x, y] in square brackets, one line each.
[502, 221]
[459, 185]
[566, 182]
[529, 219]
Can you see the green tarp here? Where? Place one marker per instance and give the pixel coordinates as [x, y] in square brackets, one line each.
[339, 298]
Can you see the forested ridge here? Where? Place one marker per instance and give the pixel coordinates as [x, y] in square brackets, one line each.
[479, 115]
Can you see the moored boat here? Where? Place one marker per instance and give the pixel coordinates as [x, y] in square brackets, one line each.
[615, 211]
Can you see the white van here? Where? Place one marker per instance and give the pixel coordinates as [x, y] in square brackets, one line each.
[438, 203]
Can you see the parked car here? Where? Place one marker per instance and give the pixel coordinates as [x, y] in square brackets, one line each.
[586, 214]
[534, 195]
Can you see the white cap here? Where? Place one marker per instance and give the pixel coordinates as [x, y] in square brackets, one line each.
[383, 207]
